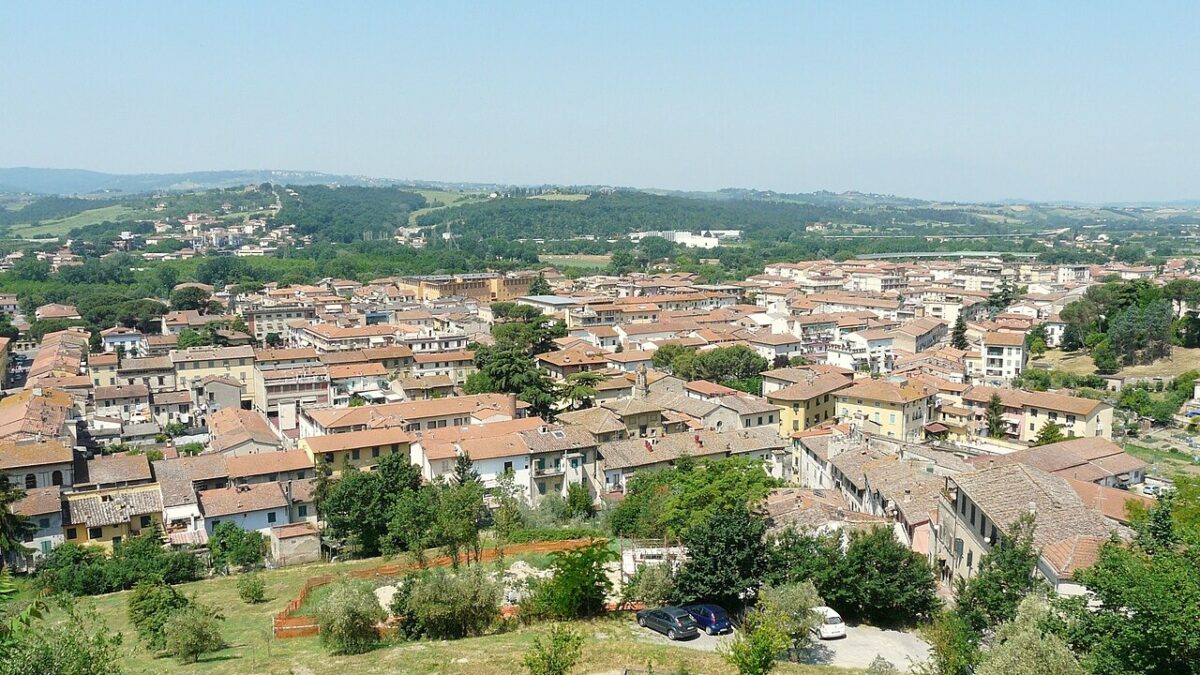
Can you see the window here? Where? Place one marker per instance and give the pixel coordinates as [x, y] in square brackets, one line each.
[95, 532]
[1070, 419]
[116, 541]
[56, 478]
[970, 557]
[972, 515]
[329, 457]
[72, 533]
[43, 523]
[146, 521]
[271, 517]
[302, 510]
[508, 467]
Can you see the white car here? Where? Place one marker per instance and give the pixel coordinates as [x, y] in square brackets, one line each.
[831, 625]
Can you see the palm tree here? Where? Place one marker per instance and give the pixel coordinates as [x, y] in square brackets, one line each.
[13, 527]
[580, 388]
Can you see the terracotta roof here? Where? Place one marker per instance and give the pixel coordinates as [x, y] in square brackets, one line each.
[112, 507]
[231, 427]
[121, 468]
[348, 370]
[407, 411]
[709, 388]
[293, 530]
[1110, 501]
[242, 499]
[18, 455]
[264, 463]
[122, 391]
[176, 476]
[882, 390]
[352, 440]
[817, 386]
[439, 357]
[634, 452]
[39, 501]
[1004, 339]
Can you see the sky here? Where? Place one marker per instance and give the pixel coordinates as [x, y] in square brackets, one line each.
[1051, 101]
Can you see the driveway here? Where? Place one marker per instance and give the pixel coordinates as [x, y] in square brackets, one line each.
[860, 646]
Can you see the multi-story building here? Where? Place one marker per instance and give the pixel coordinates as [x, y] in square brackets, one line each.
[484, 286]
[358, 449]
[271, 318]
[1003, 357]
[807, 404]
[194, 364]
[886, 408]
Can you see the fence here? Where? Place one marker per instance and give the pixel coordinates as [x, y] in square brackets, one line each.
[288, 624]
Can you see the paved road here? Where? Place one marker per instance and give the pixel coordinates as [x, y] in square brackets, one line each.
[860, 646]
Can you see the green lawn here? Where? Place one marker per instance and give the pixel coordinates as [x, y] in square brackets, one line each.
[1168, 462]
[446, 198]
[53, 228]
[609, 647]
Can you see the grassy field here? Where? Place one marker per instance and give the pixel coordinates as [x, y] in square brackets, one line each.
[1080, 363]
[446, 198]
[610, 643]
[576, 260]
[53, 228]
[561, 198]
[1167, 462]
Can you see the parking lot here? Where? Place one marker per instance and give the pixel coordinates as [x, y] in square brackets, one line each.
[860, 646]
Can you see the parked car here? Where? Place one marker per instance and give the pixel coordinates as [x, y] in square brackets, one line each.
[711, 618]
[673, 622]
[831, 625]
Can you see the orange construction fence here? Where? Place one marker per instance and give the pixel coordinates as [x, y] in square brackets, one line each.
[288, 624]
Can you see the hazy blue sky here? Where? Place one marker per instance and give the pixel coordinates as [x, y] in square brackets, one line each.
[1048, 100]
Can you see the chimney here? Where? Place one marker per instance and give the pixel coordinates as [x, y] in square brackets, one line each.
[699, 443]
[649, 446]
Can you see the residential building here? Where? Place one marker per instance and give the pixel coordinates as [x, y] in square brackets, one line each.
[894, 410]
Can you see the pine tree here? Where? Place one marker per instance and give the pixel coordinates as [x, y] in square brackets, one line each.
[1050, 432]
[958, 338]
[540, 286]
[464, 469]
[995, 417]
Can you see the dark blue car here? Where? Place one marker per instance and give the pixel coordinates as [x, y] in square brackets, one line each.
[711, 618]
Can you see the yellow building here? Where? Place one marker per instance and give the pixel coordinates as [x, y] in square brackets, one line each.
[196, 363]
[105, 518]
[484, 286]
[807, 404]
[886, 408]
[360, 449]
[102, 369]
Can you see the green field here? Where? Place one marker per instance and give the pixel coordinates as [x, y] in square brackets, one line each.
[53, 228]
[561, 197]
[576, 260]
[1166, 461]
[610, 645]
[445, 197]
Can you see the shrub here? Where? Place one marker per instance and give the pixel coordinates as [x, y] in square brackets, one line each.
[149, 607]
[532, 534]
[578, 587]
[251, 588]
[231, 546]
[650, 584]
[447, 606]
[192, 632]
[347, 616]
[557, 655]
[82, 570]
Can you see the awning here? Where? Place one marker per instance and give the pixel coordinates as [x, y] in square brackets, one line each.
[936, 428]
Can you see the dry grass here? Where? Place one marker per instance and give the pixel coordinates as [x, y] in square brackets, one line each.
[1080, 363]
[610, 644]
[580, 260]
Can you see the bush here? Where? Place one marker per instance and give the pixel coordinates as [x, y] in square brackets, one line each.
[447, 606]
[85, 570]
[192, 632]
[557, 655]
[251, 588]
[531, 534]
[149, 607]
[347, 616]
[80, 644]
[578, 587]
[579, 502]
[651, 585]
[233, 547]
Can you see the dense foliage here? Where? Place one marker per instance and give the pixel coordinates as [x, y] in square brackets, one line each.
[669, 502]
[347, 614]
[232, 547]
[357, 505]
[348, 213]
[577, 587]
[726, 558]
[444, 606]
[85, 570]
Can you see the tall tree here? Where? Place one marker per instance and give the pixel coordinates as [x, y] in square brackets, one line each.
[995, 417]
[580, 388]
[540, 286]
[726, 558]
[13, 527]
[1050, 432]
[958, 337]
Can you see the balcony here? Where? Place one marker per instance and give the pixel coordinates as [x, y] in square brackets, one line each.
[540, 471]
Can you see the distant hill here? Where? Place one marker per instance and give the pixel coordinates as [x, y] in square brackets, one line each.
[83, 182]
